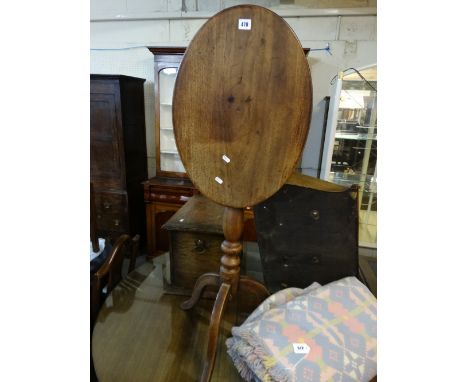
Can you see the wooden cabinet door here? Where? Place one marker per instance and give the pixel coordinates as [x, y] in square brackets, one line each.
[107, 170]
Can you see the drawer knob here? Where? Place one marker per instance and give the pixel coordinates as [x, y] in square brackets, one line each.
[116, 222]
[315, 215]
[107, 206]
[200, 246]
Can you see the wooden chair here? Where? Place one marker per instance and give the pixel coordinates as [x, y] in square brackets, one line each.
[108, 276]
[110, 273]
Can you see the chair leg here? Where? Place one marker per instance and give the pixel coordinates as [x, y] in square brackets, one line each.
[213, 331]
[134, 252]
[202, 282]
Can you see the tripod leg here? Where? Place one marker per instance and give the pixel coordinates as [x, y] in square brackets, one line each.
[251, 285]
[202, 282]
[213, 331]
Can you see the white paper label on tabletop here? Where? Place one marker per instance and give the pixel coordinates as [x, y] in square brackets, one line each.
[245, 24]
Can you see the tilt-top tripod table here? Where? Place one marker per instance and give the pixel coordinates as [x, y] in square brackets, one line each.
[241, 112]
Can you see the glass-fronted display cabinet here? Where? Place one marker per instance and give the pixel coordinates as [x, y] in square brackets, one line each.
[168, 154]
[350, 146]
[166, 65]
[169, 190]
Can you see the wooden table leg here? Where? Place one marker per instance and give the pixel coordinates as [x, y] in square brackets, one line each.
[202, 282]
[213, 331]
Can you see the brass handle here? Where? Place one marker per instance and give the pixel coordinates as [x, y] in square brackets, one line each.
[200, 246]
[107, 206]
[116, 222]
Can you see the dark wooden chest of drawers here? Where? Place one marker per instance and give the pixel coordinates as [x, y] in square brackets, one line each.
[195, 234]
[118, 154]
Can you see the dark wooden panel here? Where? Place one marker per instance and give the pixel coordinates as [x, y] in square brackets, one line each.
[134, 133]
[106, 165]
[307, 235]
[162, 235]
[112, 211]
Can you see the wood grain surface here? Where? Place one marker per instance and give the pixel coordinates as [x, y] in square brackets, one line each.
[199, 214]
[245, 95]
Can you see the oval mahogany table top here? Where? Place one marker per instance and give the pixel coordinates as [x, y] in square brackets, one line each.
[241, 106]
[141, 334]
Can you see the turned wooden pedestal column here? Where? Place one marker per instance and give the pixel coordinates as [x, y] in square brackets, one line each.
[233, 224]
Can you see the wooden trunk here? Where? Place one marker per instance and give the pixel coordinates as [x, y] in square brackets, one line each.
[195, 237]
